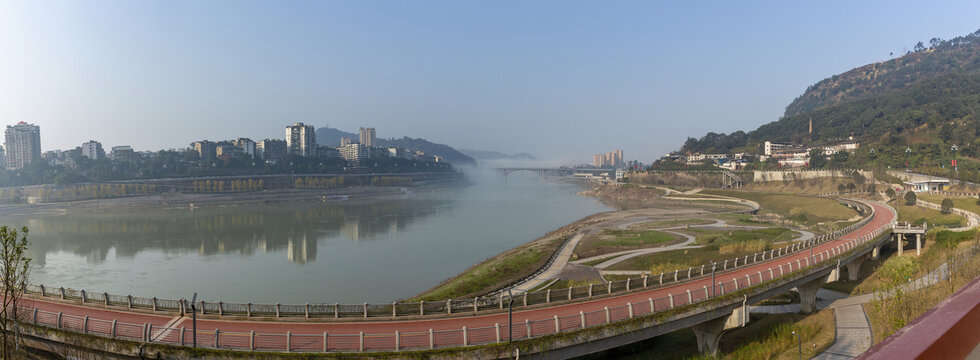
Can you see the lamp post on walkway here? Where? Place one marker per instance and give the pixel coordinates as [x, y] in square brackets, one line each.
[713, 265]
[908, 155]
[954, 148]
[510, 315]
[194, 317]
[800, 341]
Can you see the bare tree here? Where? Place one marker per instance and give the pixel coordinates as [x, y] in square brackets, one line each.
[14, 266]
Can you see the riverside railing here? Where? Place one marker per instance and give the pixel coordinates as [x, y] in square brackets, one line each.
[443, 307]
[431, 339]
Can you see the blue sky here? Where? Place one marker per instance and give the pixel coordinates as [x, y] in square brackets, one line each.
[559, 79]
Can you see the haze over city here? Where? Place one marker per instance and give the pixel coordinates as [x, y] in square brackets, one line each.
[506, 76]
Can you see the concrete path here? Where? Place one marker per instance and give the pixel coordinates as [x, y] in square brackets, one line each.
[554, 269]
[971, 217]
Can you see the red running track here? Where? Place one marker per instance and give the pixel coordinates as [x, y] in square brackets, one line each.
[416, 333]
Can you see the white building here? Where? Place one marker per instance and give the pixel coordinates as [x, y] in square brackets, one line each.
[246, 145]
[301, 140]
[123, 152]
[354, 153]
[771, 147]
[93, 150]
[23, 144]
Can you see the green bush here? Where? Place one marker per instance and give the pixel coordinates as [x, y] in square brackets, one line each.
[890, 193]
[910, 199]
[947, 206]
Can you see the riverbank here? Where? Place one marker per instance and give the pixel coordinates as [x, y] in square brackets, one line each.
[511, 266]
[190, 200]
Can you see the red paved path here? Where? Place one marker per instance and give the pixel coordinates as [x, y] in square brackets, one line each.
[639, 299]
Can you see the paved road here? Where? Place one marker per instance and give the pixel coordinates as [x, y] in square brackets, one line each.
[389, 326]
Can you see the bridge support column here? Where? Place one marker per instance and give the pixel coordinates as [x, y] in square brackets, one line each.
[709, 333]
[808, 291]
[875, 252]
[918, 244]
[899, 243]
[854, 268]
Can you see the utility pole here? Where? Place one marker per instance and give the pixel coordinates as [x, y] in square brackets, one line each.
[954, 148]
[908, 154]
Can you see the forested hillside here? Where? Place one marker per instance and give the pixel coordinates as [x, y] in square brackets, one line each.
[932, 88]
[331, 137]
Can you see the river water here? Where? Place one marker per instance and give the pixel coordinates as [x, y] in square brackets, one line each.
[351, 251]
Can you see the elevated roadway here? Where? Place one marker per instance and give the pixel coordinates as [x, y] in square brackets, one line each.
[587, 326]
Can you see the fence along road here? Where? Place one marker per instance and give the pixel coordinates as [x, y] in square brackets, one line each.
[447, 331]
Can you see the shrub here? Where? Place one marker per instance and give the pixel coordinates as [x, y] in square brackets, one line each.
[851, 187]
[890, 193]
[910, 198]
[841, 188]
[947, 206]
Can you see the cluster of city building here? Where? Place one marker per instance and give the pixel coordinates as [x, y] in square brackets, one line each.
[612, 159]
[23, 146]
[787, 155]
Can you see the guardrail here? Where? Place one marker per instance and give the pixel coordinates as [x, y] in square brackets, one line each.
[427, 308]
[398, 341]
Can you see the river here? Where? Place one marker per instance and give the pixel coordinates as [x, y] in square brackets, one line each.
[351, 251]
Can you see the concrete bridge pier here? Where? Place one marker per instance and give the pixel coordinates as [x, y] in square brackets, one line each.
[900, 243]
[854, 268]
[709, 332]
[875, 252]
[918, 244]
[808, 291]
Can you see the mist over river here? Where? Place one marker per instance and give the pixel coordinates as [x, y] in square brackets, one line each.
[353, 251]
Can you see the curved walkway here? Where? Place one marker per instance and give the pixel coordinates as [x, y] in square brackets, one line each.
[381, 334]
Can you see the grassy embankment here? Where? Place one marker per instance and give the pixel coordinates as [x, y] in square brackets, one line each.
[718, 244]
[810, 186]
[669, 224]
[766, 336]
[613, 240]
[918, 215]
[887, 315]
[812, 213]
[964, 203]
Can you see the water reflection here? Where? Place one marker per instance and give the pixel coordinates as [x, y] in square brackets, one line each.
[294, 229]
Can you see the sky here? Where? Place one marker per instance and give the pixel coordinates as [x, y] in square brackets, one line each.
[559, 79]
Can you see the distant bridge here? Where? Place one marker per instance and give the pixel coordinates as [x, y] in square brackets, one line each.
[557, 171]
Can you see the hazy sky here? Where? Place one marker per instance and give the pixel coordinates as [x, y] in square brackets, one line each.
[560, 79]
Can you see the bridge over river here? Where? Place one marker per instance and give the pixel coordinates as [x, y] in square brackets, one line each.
[548, 324]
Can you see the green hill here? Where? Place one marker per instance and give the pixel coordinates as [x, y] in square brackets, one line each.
[929, 97]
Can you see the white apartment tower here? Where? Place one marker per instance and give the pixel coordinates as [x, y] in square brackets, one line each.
[93, 150]
[23, 143]
[367, 136]
[301, 140]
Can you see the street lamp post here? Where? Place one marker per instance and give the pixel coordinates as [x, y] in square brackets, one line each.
[800, 342]
[194, 318]
[713, 266]
[908, 154]
[510, 315]
[954, 148]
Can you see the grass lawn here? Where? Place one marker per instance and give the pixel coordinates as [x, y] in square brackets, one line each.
[670, 223]
[743, 219]
[805, 210]
[503, 268]
[612, 240]
[918, 215]
[964, 203]
[766, 336]
[704, 236]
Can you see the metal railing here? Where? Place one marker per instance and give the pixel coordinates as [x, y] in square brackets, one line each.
[431, 339]
[442, 307]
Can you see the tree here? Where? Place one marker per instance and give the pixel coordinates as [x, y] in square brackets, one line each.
[13, 278]
[851, 187]
[890, 193]
[872, 189]
[817, 159]
[947, 206]
[910, 198]
[841, 188]
[919, 46]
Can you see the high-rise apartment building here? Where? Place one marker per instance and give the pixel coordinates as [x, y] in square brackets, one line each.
[344, 141]
[122, 153]
[246, 145]
[613, 159]
[354, 153]
[270, 150]
[301, 140]
[367, 136]
[23, 143]
[93, 150]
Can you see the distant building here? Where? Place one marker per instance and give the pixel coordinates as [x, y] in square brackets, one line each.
[397, 152]
[927, 185]
[354, 153]
[23, 144]
[301, 140]
[227, 150]
[613, 159]
[344, 141]
[270, 150]
[3, 157]
[246, 145]
[122, 153]
[207, 150]
[93, 150]
[367, 137]
[770, 147]
[327, 152]
[377, 152]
